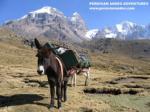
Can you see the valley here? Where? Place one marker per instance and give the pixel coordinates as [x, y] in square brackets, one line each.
[118, 81]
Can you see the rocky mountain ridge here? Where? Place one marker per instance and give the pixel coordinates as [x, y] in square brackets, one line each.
[125, 30]
[53, 24]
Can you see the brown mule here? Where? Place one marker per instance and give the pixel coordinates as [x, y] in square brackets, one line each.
[51, 65]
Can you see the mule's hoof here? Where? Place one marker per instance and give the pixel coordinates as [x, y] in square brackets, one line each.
[51, 109]
[65, 99]
[86, 84]
[59, 106]
[59, 109]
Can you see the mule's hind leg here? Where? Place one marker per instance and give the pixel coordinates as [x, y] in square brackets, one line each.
[72, 77]
[65, 90]
[75, 79]
[62, 91]
[58, 90]
[87, 78]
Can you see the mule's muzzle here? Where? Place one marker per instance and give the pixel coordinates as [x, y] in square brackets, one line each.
[40, 72]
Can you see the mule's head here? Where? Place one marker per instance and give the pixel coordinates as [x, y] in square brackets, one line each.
[43, 57]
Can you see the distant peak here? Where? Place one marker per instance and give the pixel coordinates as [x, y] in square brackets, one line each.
[45, 9]
[76, 14]
[76, 17]
[128, 22]
[48, 10]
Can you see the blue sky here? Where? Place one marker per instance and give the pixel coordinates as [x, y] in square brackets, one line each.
[13, 9]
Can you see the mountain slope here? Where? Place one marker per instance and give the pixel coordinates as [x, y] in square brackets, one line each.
[51, 23]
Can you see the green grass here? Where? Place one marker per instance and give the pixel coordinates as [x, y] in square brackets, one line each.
[127, 102]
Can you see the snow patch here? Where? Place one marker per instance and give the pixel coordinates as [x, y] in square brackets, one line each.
[76, 16]
[91, 33]
[111, 35]
[48, 10]
[23, 17]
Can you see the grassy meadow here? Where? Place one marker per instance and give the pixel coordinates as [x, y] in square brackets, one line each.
[118, 82]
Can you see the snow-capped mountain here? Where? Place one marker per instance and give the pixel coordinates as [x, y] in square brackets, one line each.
[44, 10]
[125, 30]
[51, 23]
[48, 10]
[78, 22]
[125, 27]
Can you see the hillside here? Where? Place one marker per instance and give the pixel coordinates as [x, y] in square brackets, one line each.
[23, 90]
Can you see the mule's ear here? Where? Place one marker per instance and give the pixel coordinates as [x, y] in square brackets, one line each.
[37, 44]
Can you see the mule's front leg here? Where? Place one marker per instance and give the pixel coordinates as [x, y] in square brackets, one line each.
[59, 96]
[52, 91]
[65, 90]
